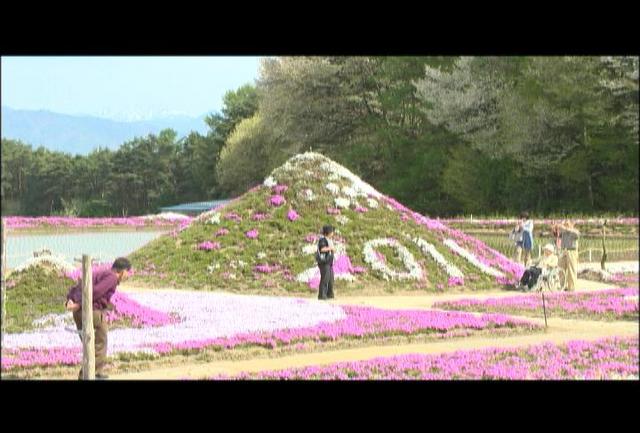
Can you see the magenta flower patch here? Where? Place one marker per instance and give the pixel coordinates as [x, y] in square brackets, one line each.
[252, 234]
[292, 215]
[276, 200]
[222, 232]
[208, 246]
[279, 189]
[259, 216]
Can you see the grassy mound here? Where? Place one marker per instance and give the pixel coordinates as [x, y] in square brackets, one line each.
[33, 293]
[263, 242]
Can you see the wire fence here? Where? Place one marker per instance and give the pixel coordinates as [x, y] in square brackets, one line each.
[589, 250]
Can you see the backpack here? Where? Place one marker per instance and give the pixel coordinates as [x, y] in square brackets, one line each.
[321, 258]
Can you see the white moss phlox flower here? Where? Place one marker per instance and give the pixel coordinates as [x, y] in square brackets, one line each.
[333, 188]
[372, 203]
[261, 255]
[471, 258]
[308, 194]
[308, 275]
[413, 268]
[212, 268]
[309, 249]
[342, 219]
[270, 182]
[215, 219]
[349, 192]
[342, 202]
[57, 262]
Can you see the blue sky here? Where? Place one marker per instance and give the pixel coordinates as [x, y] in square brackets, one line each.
[123, 88]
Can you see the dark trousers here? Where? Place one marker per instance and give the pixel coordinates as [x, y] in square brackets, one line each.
[325, 291]
[530, 276]
[100, 331]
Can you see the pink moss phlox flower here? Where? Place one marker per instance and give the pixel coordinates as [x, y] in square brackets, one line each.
[252, 234]
[279, 189]
[259, 216]
[208, 246]
[276, 200]
[292, 215]
[222, 232]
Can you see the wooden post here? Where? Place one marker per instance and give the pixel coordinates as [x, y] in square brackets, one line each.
[88, 340]
[2, 281]
[603, 262]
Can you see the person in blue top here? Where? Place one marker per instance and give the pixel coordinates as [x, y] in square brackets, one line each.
[527, 237]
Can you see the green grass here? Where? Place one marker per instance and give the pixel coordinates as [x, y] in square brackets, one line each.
[37, 292]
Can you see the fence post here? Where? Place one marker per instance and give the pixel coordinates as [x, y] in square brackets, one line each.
[88, 340]
[2, 280]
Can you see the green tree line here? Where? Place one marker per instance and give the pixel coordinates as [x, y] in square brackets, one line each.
[444, 135]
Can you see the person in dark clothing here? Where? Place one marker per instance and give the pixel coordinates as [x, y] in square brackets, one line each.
[324, 257]
[104, 286]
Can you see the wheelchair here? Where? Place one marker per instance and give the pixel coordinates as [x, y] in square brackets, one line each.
[552, 280]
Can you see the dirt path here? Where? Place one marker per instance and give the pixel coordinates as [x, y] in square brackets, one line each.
[559, 331]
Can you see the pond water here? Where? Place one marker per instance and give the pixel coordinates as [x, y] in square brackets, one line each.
[102, 246]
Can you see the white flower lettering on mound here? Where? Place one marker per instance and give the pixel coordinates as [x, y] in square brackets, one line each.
[414, 272]
[428, 249]
[471, 258]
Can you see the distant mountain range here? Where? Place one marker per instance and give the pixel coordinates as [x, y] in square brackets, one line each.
[82, 134]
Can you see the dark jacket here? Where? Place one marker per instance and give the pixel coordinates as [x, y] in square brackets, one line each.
[322, 243]
[104, 286]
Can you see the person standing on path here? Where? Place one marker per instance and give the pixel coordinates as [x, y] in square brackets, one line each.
[527, 237]
[104, 286]
[569, 260]
[516, 236]
[324, 258]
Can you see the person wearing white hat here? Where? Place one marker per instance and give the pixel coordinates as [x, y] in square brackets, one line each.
[548, 260]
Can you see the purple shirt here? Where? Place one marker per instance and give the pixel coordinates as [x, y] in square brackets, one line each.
[104, 286]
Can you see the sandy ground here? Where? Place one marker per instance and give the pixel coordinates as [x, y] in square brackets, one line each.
[558, 331]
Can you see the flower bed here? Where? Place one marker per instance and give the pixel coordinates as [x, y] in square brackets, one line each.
[610, 304]
[611, 358]
[20, 222]
[221, 321]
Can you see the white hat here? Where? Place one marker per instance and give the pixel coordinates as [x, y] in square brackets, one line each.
[549, 247]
